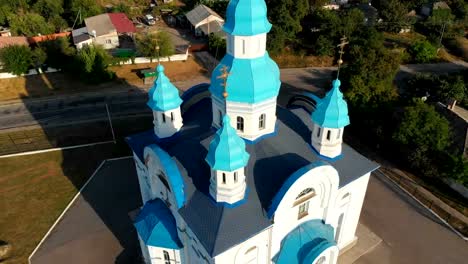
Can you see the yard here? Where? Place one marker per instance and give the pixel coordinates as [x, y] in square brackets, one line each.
[49, 84]
[35, 189]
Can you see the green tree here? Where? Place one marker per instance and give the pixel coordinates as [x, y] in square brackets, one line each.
[16, 59]
[324, 46]
[425, 134]
[39, 57]
[59, 53]
[49, 8]
[216, 46]
[287, 16]
[91, 64]
[423, 51]
[369, 71]
[29, 24]
[393, 14]
[82, 9]
[154, 45]
[452, 87]
[58, 23]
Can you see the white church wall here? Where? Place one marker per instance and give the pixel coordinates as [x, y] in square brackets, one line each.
[246, 47]
[254, 250]
[167, 123]
[328, 256]
[324, 180]
[348, 202]
[159, 182]
[159, 255]
[142, 173]
[144, 251]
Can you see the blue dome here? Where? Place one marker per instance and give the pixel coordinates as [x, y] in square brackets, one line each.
[246, 18]
[163, 95]
[332, 110]
[250, 80]
[227, 149]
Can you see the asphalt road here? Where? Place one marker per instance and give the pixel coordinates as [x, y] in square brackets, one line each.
[91, 106]
[410, 233]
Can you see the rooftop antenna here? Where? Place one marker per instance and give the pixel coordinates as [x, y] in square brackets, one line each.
[224, 75]
[341, 52]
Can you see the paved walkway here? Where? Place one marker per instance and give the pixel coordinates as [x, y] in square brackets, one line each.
[410, 233]
[93, 231]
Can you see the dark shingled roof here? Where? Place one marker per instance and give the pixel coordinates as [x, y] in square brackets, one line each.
[272, 160]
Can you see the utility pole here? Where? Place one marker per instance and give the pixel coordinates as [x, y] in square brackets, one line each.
[441, 36]
[110, 122]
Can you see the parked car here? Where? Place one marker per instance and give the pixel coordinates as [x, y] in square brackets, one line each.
[150, 20]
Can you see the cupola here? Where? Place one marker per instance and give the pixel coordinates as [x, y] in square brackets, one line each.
[165, 102]
[329, 119]
[227, 158]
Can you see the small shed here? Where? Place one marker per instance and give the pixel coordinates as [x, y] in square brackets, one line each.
[204, 20]
[149, 75]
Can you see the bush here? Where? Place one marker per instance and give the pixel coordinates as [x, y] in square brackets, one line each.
[16, 59]
[148, 44]
[423, 51]
[91, 64]
[216, 46]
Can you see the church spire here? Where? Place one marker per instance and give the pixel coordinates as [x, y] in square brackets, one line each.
[164, 100]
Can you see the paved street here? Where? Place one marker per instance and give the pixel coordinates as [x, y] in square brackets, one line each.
[91, 106]
[410, 233]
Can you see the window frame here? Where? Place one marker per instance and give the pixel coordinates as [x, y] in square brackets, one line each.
[240, 123]
[262, 121]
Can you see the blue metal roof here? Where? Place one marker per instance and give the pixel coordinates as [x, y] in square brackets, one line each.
[163, 95]
[305, 243]
[246, 18]
[227, 150]
[172, 173]
[332, 110]
[156, 225]
[250, 80]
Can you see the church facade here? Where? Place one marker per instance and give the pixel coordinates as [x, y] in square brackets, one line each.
[236, 178]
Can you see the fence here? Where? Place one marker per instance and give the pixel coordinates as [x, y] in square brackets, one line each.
[417, 191]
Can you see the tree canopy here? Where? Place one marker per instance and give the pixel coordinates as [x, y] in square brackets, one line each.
[369, 71]
[16, 59]
[425, 134]
[148, 44]
[287, 16]
[29, 24]
[423, 51]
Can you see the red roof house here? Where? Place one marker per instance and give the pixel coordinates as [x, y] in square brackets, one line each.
[121, 23]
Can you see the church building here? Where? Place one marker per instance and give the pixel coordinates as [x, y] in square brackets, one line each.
[235, 178]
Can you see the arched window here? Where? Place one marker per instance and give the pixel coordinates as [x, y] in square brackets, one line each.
[321, 260]
[163, 118]
[235, 176]
[224, 178]
[307, 191]
[338, 134]
[220, 116]
[250, 255]
[261, 121]
[318, 131]
[167, 259]
[162, 178]
[240, 124]
[243, 46]
[172, 116]
[338, 227]
[328, 135]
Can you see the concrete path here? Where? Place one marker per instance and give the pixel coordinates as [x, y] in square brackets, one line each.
[410, 233]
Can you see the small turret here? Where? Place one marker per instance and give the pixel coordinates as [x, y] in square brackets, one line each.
[329, 118]
[165, 102]
[227, 158]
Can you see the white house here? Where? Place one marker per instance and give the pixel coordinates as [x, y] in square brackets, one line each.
[242, 180]
[205, 21]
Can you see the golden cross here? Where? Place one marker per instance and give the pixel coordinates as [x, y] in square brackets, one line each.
[341, 52]
[224, 75]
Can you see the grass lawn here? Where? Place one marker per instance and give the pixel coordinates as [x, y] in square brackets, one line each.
[35, 189]
[295, 61]
[49, 84]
